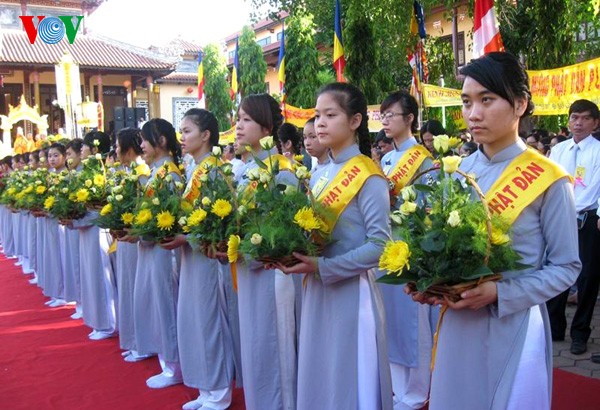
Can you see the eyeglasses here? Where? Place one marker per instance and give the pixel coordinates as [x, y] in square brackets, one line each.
[390, 115]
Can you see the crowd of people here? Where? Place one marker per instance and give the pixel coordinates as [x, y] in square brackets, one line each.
[323, 334]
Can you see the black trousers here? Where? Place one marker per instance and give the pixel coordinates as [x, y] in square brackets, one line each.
[587, 287]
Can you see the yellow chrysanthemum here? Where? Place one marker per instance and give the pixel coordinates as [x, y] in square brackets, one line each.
[82, 195]
[221, 208]
[233, 245]
[28, 190]
[165, 220]
[127, 218]
[196, 217]
[11, 191]
[143, 216]
[305, 218]
[40, 189]
[49, 202]
[394, 258]
[106, 209]
[99, 180]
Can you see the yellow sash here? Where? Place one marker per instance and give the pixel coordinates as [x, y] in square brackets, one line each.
[168, 167]
[142, 170]
[345, 185]
[407, 166]
[523, 180]
[192, 190]
[284, 163]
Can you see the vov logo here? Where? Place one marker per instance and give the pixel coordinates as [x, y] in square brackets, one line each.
[51, 29]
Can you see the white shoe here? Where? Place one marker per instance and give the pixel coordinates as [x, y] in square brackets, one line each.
[194, 404]
[136, 357]
[126, 353]
[58, 303]
[101, 335]
[77, 315]
[28, 271]
[49, 302]
[162, 380]
[33, 281]
[18, 263]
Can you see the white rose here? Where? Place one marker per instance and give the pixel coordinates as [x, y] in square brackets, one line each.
[266, 143]
[302, 173]
[216, 151]
[119, 197]
[253, 174]
[264, 176]
[408, 193]
[454, 219]
[241, 210]
[98, 156]
[182, 221]
[256, 239]
[155, 201]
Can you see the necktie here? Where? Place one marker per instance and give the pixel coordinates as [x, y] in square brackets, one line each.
[572, 164]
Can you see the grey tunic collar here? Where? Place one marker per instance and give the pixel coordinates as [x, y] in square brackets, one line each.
[346, 154]
[507, 153]
[406, 144]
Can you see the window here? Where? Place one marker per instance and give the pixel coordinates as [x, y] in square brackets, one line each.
[588, 32]
[279, 36]
[461, 46]
[180, 106]
[231, 55]
[264, 41]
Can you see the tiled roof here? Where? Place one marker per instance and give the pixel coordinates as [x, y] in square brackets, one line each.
[87, 51]
[179, 77]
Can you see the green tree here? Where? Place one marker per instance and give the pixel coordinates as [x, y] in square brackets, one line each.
[301, 61]
[216, 87]
[252, 65]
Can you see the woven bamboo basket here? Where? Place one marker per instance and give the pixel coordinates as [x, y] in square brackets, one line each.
[452, 291]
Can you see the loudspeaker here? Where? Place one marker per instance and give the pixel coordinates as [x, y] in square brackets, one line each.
[119, 113]
[140, 114]
[130, 116]
[119, 125]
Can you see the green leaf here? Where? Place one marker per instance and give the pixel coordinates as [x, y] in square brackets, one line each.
[483, 270]
[260, 163]
[423, 188]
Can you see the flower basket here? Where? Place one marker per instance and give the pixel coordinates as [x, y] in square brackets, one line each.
[449, 242]
[38, 213]
[453, 292]
[281, 214]
[118, 233]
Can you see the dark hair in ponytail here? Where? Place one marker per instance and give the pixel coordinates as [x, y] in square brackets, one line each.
[102, 138]
[59, 147]
[158, 127]
[352, 101]
[265, 110]
[206, 121]
[130, 138]
[289, 132]
[75, 144]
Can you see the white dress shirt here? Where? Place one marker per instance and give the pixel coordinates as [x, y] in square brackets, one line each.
[582, 161]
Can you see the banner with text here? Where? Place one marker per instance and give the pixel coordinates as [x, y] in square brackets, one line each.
[555, 90]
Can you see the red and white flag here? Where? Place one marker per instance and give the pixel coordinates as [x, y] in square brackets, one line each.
[486, 35]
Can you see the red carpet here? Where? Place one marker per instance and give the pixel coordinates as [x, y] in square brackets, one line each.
[574, 392]
[47, 361]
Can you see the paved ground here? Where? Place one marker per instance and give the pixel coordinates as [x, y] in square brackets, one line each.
[580, 364]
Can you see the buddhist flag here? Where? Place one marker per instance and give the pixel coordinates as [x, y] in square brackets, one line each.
[339, 62]
[417, 57]
[200, 77]
[234, 73]
[281, 65]
[486, 35]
